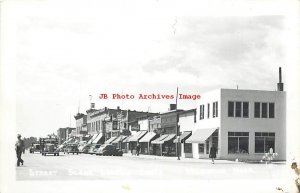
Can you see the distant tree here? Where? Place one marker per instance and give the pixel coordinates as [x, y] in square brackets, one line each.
[29, 141]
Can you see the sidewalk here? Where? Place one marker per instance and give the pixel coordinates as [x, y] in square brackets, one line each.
[182, 159]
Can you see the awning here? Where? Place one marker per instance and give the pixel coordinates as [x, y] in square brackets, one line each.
[98, 139]
[159, 140]
[92, 139]
[183, 136]
[137, 136]
[147, 138]
[119, 139]
[169, 138]
[200, 135]
[127, 139]
[110, 140]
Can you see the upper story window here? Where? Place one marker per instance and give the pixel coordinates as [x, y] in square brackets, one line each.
[215, 109]
[208, 108]
[201, 112]
[238, 109]
[264, 110]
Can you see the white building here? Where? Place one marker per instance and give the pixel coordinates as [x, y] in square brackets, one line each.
[242, 124]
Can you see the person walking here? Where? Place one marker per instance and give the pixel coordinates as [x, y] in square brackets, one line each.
[213, 154]
[19, 150]
[138, 148]
[297, 171]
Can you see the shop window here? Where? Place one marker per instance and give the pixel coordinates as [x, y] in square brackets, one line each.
[187, 148]
[264, 141]
[201, 148]
[238, 142]
[207, 146]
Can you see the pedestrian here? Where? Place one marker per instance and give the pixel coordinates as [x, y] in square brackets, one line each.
[212, 154]
[297, 172]
[131, 148]
[138, 148]
[19, 150]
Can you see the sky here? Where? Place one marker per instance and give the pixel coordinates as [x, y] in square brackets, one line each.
[67, 52]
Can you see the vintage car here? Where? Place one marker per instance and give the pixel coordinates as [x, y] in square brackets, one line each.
[81, 145]
[50, 148]
[109, 150]
[94, 148]
[72, 148]
[35, 147]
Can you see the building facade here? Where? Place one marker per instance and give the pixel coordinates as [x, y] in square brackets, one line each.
[64, 133]
[241, 124]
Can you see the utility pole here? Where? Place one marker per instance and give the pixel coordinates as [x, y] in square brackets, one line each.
[177, 128]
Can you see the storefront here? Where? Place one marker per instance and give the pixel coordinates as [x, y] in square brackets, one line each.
[183, 147]
[164, 145]
[133, 141]
[118, 142]
[146, 147]
[199, 143]
[125, 144]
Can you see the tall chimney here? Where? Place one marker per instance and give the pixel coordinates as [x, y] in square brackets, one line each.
[280, 84]
[92, 105]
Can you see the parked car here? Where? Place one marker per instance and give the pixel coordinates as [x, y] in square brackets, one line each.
[72, 148]
[35, 147]
[81, 146]
[93, 148]
[50, 148]
[109, 150]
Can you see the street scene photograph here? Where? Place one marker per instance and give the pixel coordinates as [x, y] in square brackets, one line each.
[144, 97]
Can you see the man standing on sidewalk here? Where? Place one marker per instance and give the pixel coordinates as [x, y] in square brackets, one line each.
[19, 149]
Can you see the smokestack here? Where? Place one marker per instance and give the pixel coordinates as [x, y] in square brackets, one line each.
[92, 105]
[280, 84]
[172, 107]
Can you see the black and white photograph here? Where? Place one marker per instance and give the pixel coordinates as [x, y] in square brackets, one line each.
[149, 96]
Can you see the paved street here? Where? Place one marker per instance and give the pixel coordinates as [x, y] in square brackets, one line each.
[92, 167]
[167, 173]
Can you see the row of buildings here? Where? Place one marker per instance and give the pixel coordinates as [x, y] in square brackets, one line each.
[241, 124]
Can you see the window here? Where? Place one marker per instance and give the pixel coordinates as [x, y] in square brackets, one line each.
[230, 109]
[207, 146]
[187, 148]
[264, 141]
[201, 112]
[238, 142]
[201, 148]
[264, 110]
[245, 109]
[257, 110]
[271, 110]
[208, 110]
[215, 109]
[215, 140]
[238, 109]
